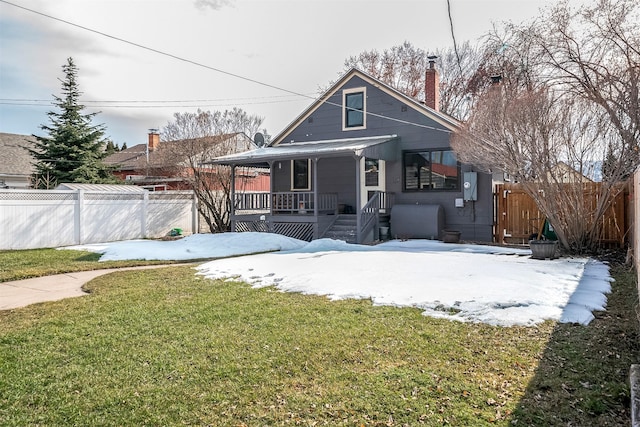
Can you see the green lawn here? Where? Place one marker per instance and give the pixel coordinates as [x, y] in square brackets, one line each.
[17, 265]
[167, 347]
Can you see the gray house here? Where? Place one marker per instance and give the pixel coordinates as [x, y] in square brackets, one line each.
[365, 162]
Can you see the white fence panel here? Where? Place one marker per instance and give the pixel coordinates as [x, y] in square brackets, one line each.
[31, 219]
[37, 219]
[169, 210]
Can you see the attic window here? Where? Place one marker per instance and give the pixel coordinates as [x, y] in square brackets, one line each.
[354, 109]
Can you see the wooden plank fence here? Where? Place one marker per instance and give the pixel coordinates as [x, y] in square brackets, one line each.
[518, 217]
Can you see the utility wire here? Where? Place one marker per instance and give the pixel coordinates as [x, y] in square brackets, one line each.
[198, 64]
[170, 55]
[155, 101]
[453, 36]
[138, 104]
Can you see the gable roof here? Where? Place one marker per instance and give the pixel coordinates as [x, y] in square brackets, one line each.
[129, 158]
[15, 158]
[445, 120]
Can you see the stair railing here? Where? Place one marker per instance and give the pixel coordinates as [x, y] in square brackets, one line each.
[369, 216]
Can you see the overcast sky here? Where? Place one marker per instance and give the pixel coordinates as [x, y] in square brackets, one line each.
[252, 54]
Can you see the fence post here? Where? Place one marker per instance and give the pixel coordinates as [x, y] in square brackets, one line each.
[144, 214]
[78, 226]
[195, 223]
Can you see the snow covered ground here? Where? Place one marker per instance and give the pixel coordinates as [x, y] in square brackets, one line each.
[490, 284]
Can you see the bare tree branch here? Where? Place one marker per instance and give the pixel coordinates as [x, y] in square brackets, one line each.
[196, 138]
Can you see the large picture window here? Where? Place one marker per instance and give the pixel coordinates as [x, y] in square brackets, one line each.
[300, 174]
[430, 170]
[354, 107]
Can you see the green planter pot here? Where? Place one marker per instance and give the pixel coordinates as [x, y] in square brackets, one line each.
[543, 249]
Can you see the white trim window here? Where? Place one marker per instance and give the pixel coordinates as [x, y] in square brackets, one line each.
[300, 175]
[354, 108]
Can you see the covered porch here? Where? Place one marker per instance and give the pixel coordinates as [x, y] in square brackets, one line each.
[316, 188]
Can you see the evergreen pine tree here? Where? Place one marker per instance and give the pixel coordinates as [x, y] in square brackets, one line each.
[111, 147]
[73, 151]
[124, 146]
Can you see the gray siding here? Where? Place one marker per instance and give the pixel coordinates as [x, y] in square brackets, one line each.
[335, 175]
[415, 131]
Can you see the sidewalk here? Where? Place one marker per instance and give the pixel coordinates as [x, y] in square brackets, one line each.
[21, 293]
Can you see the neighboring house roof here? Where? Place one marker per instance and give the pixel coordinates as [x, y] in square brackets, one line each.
[102, 187]
[566, 174]
[447, 121]
[15, 158]
[303, 150]
[128, 158]
[135, 158]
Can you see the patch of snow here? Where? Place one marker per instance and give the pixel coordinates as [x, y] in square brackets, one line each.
[464, 282]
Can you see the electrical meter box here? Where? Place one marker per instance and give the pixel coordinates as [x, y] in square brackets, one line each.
[470, 186]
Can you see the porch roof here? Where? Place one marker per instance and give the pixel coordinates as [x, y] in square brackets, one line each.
[373, 146]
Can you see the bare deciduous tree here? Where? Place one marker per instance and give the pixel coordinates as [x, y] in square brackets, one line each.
[464, 76]
[569, 96]
[594, 52]
[403, 68]
[548, 143]
[197, 138]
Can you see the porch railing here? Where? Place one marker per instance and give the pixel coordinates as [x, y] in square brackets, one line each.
[252, 201]
[303, 202]
[386, 201]
[286, 202]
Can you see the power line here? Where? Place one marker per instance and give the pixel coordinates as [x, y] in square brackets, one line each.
[198, 64]
[138, 104]
[155, 101]
[453, 36]
[160, 52]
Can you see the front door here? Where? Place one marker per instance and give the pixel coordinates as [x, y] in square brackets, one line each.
[372, 178]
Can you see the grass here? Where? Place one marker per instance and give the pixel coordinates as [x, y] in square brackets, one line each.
[583, 372]
[17, 265]
[167, 347]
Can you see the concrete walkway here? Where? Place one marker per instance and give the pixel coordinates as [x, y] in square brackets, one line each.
[21, 293]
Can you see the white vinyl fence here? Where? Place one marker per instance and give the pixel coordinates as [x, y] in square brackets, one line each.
[31, 219]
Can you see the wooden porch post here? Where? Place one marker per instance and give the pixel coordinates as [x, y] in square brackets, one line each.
[358, 207]
[315, 197]
[272, 199]
[271, 180]
[233, 197]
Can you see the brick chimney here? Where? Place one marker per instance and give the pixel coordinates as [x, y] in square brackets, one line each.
[432, 85]
[154, 139]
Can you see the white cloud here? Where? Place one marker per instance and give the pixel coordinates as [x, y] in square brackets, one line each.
[212, 4]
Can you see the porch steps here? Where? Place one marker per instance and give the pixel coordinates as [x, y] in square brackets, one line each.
[344, 228]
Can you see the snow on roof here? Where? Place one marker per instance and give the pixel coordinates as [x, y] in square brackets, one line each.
[293, 150]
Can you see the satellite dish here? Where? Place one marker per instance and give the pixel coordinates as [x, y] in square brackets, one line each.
[258, 139]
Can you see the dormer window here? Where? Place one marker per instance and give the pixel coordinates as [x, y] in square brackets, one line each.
[354, 109]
